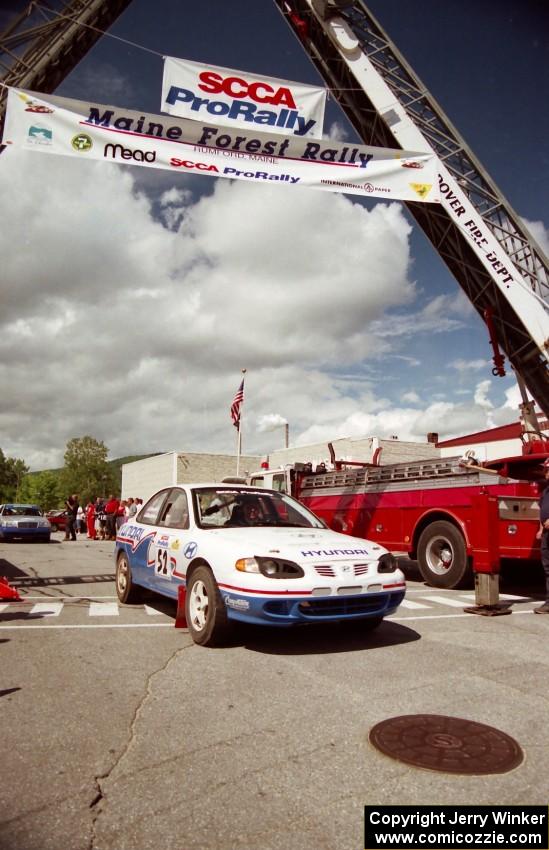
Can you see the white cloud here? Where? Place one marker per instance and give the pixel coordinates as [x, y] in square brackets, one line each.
[130, 319]
[466, 366]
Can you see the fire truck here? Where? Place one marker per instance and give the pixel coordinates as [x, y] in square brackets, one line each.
[457, 518]
[454, 518]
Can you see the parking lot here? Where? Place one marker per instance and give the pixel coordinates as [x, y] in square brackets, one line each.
[118, 732]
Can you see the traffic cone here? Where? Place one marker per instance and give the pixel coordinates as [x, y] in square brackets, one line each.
[7, 592]
[180, 618]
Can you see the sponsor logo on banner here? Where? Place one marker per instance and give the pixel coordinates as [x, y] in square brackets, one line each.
[118, 151]
[36, 107]
[82, 142]
[196, 91]
[39, 135]
[422, 189]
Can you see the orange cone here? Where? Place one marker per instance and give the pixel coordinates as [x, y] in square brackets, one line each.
[180, 618]
[7, 592]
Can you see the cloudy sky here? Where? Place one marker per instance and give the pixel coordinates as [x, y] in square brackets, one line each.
[132, 298]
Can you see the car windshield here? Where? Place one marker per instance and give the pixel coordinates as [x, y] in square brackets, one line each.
[21, 510]
[219, 507]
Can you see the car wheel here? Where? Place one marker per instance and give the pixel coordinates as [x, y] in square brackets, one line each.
[127, 592]
[442, 556]
[205, 610]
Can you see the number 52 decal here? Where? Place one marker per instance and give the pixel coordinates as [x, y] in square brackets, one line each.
[162, 566]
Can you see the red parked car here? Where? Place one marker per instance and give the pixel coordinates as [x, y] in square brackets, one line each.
[57, 520]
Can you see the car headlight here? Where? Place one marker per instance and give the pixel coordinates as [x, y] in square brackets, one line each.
[270, 567]
[43, 523]
[10, 523]
[387, 563]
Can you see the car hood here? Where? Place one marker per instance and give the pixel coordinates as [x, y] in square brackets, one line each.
[298, 544]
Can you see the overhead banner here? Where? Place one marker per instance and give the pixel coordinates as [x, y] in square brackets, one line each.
[57, 125]
[236, 98]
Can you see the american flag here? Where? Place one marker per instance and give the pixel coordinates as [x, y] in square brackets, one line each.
[236, 405]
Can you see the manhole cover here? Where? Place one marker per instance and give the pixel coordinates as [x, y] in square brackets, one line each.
[449, 744]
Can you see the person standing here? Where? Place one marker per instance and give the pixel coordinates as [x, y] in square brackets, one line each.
[111, 510]
[543, 536]
[71, 511]
[100, 518]
[90, 519]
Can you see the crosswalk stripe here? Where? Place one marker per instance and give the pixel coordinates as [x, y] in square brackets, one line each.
[509, 596]
[444, 600]
[152, 612]
[104, 609]
[47, 609]
[3, 607]
[407, 603]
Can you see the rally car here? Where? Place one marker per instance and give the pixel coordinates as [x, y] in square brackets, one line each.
[253, 555]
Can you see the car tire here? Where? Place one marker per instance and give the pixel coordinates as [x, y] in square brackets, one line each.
[128, 593]
[205, 610]
[442, 556]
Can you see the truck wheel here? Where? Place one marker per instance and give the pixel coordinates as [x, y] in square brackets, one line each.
[205, 610]
[442, 556]
[128, 593]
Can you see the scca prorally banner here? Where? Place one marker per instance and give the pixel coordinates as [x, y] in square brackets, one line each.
[209, 93]
[92, 131]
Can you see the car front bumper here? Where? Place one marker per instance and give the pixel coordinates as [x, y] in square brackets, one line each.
[285, 611]
[7, 533]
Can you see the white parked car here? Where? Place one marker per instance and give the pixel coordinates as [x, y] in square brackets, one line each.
[252, 555]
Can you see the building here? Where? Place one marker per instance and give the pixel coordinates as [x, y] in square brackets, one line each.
[142, 478]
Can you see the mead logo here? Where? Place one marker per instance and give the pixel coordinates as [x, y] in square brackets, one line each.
[39, 135]
[120, 152]
[82, 143]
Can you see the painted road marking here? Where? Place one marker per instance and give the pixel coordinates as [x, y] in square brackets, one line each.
[443, 600]
[46, 609]
[508, 596]
[3, 607]
[407, 603]
[104, 609]
[152, 612]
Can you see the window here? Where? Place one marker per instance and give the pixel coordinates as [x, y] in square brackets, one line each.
[149, 513]
[175, 513]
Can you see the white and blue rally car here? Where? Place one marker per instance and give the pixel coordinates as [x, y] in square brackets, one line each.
[253, 555]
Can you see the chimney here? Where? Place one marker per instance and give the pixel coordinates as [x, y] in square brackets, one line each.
[432, 437]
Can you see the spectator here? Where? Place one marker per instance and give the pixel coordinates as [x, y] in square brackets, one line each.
[111, 510]
[131, 508]
[80, 520]
[121, 514]
[100, 519]
[71, 510]
[90, 520]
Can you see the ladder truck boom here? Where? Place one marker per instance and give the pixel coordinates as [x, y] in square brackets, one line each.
[495, 260]
[41, 46]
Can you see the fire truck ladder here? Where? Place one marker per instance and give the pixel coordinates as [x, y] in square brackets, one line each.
[443, 472]
[56, 35]
[495, 260]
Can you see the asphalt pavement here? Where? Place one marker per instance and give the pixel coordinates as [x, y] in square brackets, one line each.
[118, 733]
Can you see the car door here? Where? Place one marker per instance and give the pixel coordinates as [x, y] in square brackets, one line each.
[141, 540]
[167, 550]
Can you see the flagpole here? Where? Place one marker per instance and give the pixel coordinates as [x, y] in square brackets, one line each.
[239, 435]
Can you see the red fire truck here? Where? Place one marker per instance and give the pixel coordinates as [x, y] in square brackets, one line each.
[452, 515]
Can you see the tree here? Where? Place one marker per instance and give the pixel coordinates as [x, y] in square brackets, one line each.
[86, 470]
[41, 488]
[12, 471]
